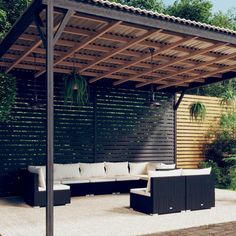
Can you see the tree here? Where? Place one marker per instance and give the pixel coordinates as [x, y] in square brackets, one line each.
[226, 20]
[9, 12]
[154, 5]
[197, 10]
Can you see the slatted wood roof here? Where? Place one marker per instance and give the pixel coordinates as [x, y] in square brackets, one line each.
[98, 40]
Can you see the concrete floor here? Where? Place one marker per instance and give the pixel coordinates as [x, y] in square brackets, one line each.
[108, 215]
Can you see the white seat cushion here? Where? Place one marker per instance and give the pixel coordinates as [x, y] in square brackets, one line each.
[139, 168]
[75, 181]
[116, 168]
[166, 173]
[190, 172]
[98, 180]
[56, 187]
[66, 171]
[141, 191]
[126, 178]
[40, 170]
[89, 170]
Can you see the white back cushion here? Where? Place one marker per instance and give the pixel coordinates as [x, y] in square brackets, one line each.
[66, 171]
[40, 170]
[189, 172]
[152, 166]
[166, 173]
[138, 168]
[163, 166]
[92, 170]
[116, 168]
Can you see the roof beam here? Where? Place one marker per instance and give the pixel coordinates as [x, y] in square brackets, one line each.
[213, 61]
[164, 49]
[82, 44]
[176, 61]
[120, 49]
[36, 44]
[189, 80]
[62, 26]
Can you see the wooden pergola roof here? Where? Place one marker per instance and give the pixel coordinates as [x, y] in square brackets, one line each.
[108, 41]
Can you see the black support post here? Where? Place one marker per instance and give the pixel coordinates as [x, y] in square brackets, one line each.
[95, 124]
[50, 120]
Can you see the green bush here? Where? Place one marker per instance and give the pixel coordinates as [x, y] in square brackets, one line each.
[7, 95]
[216, 171]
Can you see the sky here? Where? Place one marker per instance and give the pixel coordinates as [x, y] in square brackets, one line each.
[222, 5]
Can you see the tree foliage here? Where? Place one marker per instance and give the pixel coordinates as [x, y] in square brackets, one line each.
[197, 10]
[9, 12]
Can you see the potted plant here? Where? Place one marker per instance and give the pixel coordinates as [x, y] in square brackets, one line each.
[197, 111]
[7, 95]
[76, 89]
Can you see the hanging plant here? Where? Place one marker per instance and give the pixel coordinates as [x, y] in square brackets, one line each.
[7, 95]
[76, 89]
[197, 111]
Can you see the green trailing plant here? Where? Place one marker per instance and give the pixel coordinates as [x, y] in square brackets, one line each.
[197, 111]
[76, 89]
[7, 95]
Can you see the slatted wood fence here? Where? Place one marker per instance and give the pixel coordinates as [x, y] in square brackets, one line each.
[191, 135]
[115, 126]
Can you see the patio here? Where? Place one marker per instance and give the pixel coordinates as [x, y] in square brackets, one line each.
[90, 216]
[109, 45]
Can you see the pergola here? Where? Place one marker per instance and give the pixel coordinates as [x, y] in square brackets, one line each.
[109, 44]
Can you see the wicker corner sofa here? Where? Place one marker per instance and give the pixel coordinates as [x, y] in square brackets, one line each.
[189, 191]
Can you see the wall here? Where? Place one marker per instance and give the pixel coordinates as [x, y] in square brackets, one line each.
[191, 135]
[115, 126]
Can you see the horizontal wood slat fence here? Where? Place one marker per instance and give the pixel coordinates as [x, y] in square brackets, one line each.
[191, 135]
[117, 125]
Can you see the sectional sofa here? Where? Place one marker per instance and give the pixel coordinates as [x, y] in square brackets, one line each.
[79, 179]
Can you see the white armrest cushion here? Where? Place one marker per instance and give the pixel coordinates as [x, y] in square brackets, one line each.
[40, 170]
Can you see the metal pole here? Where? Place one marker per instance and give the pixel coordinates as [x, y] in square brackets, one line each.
[50, 120]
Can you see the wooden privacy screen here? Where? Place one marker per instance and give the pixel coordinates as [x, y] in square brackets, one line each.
[191, 135]
[115, 126]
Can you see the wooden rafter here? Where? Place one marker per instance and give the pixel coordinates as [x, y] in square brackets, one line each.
[164, 49]
[193, 79]
[60, 26]
[120, 49]
[211, 62]
[176, 61]
[83, 43]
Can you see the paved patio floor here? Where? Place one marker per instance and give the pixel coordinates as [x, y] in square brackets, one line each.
[109, 215]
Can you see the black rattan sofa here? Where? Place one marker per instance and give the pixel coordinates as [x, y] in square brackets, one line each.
[175, 194]
[167, 195]
[34, 197]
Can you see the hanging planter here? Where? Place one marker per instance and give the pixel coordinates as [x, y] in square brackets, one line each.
[76, 89]
[197, 111]
[7, 95]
